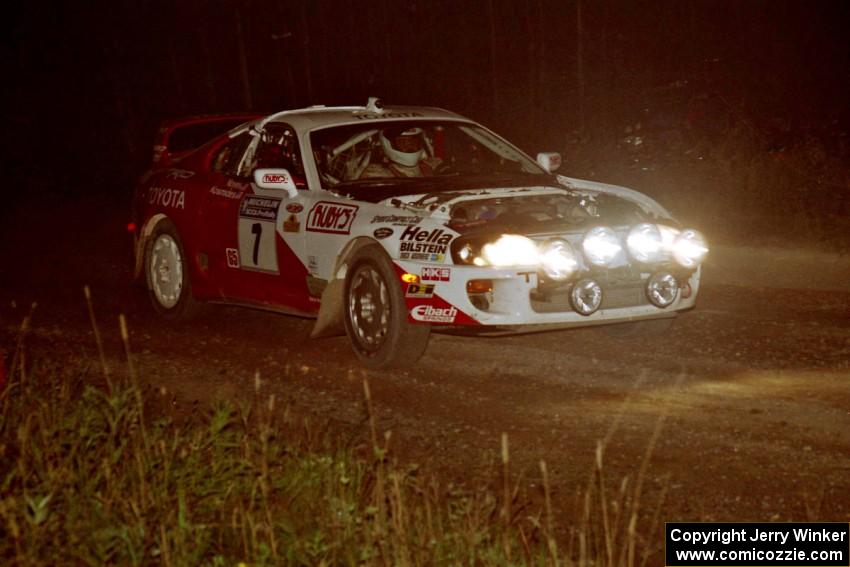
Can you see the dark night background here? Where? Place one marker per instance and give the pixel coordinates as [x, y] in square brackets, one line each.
[629, 91]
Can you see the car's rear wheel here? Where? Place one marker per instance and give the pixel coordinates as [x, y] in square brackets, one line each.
[376, 315]
[167, 274]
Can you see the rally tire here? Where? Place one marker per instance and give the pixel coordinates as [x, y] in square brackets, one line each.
[166, 270]
[376, 314]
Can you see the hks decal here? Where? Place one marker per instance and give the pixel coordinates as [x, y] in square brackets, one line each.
[436, 274]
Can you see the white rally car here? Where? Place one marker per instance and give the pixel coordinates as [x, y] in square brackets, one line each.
[383, 222]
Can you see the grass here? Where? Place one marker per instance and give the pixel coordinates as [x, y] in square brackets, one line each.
[93, 475]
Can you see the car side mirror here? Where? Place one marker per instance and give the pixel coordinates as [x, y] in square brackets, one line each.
[550, 161]
[275, 179]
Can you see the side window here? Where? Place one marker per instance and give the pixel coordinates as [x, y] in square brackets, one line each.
[229, 157]
[278, 148]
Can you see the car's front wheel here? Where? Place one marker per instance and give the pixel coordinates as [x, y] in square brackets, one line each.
[376, 315]
[167, 273]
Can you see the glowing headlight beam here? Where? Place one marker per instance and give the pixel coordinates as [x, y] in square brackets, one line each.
[645, 243]
[601, 245]
[558, 259]
[511, 250]
[690, 248]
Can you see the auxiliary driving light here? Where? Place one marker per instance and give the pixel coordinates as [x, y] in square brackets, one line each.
[586, 296]
[511, 250]
[601, 246]
[690, 248]
[644, 243]
[558, 259]
[662, 289]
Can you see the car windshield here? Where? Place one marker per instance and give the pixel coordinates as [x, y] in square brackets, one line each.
[377, 155]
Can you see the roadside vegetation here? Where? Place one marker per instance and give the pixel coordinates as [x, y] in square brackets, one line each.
[95, 469]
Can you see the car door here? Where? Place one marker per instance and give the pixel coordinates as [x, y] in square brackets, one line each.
[257, 230]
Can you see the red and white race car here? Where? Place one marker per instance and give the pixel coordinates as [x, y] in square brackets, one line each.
[383, 222]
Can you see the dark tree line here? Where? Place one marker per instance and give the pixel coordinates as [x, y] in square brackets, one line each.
[90, 80]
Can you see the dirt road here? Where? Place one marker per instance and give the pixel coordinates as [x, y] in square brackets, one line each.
[753, 385]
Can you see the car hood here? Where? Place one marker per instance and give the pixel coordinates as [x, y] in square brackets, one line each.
[572, 204]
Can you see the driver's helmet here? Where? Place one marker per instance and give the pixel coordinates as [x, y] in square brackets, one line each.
[404, 147]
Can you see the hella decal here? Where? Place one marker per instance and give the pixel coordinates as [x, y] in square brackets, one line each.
[294, 208]
[419, 244]
[164, 197]
[431, 314]
[333, 218]
[436, 274]
[383, 232]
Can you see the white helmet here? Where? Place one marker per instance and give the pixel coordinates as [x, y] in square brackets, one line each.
[409, 158]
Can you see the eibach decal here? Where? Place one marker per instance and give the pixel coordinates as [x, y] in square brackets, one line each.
[333, 218]
[431, 314]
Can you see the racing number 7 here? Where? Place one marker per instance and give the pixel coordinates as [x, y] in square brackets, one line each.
[257, 231]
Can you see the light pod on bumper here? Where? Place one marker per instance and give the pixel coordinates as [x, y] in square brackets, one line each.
[511, 250]
[644, 243]
[601, 246]
[586, 296]
[662, 288]
[690, 248]
[558, 259]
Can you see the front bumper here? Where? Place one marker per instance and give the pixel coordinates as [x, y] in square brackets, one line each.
[516, 299]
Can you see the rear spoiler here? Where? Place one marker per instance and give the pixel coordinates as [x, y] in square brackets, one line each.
[176, 138]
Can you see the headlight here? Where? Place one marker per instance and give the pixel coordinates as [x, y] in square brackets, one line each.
[511, 250]
[662, 289]
[690, 248]
[558, 259]
[601, 246]
[586, 296]
[644, 243]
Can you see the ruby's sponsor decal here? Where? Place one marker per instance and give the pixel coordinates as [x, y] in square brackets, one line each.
[294, 208]
[395, 220]
[420, 244]
[165, 197]
[431, 314]
[334, 218]
[275, 178]
[232, 257]
[419, 290]
[260, 208]
[383, 232]
[436, 274]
